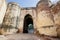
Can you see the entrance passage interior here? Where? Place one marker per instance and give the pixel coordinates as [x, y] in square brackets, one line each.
[28, 24]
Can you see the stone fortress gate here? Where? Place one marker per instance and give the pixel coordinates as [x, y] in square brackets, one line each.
[44, 19]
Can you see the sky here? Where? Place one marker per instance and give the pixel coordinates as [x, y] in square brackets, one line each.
[25, 3]
[28, 3]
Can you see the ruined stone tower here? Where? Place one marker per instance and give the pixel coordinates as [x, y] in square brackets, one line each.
[3, 7]
[11, 17]
[44, 18]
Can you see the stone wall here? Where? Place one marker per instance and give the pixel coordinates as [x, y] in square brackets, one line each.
[56, 13]
[10, 21]
[3, 7]
[45, 20]
[46, 17]
[48, 20]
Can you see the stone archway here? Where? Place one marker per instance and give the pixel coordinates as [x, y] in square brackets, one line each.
[28, 24]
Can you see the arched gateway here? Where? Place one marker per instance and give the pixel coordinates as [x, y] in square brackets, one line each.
[28, 24]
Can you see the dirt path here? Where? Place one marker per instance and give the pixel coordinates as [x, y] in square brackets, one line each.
[26, 37]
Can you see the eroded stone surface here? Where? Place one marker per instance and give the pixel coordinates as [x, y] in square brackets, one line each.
[46, 18]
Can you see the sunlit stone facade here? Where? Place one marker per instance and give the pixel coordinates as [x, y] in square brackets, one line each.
[45, 18]
[11, 16]
[3, 7]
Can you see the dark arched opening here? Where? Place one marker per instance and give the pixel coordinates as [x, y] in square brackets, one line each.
[28, 24]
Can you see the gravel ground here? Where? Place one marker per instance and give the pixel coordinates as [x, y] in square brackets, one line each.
[25, 37]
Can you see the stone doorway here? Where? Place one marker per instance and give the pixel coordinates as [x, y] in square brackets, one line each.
[28, 24]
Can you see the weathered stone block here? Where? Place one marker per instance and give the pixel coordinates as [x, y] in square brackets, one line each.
[44, 19]
[50, 31]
